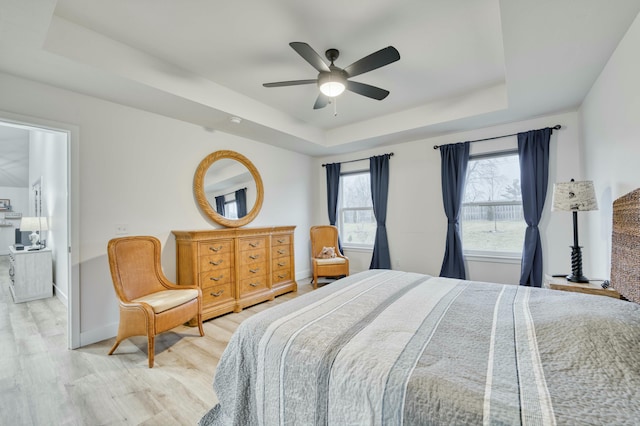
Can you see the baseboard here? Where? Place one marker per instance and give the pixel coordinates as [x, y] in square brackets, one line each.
[301, 275]
[61, 296]
[99, 334]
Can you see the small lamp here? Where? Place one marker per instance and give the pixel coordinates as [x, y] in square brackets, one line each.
[574, 197]
[36, 225]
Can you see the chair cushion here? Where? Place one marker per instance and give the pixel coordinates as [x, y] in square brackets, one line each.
[167, 299]
[331, 261]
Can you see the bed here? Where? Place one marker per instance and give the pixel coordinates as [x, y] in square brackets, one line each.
[391, 347]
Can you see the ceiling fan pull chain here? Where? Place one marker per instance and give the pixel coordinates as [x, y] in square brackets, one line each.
[335, 106]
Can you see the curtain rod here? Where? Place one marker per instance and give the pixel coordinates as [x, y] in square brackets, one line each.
[556, 127]
[232, 192]
[359, 159]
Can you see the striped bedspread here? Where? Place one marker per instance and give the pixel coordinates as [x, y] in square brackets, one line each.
[391, 348]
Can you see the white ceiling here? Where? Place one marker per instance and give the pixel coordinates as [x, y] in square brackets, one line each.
[464, 63]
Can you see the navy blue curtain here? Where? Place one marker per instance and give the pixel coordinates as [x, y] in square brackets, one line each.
[220, 205]
[241, 202]
[454, 159]
[333, 185]
[533, 151]
[379, 169]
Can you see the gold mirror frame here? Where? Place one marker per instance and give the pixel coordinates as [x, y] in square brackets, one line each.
[198, 188]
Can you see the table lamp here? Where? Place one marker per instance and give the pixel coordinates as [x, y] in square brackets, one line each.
[36, 225]
[574, 197]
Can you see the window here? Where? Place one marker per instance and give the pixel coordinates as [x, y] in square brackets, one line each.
[491, 218]
[231, 209]
[356, 221]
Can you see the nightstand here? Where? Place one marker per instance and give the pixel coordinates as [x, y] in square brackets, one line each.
[592, 287]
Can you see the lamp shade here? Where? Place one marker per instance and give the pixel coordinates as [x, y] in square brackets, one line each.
[574, 196]
[34, 224]
[332, 83]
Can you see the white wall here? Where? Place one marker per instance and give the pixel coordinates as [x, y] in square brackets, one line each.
[137, 168]
[610, 118]
[416, 224]
[48, 163]
[19, 203]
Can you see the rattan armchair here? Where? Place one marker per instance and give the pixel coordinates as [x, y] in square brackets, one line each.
[149, 303]
[326, 236]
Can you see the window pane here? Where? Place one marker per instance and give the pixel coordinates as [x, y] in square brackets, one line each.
[358, 227]
[491, 216]
[356, 190]
[231, 210]
[356, 220]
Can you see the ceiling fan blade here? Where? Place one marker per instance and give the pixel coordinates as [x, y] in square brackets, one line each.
[309, 55]
[290, 83]
[376, 60]
[367, 90]
[321, 102]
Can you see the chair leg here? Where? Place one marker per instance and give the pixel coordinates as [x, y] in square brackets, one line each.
[151, 348]
[200, 324]
[315, 280]
[115, 345]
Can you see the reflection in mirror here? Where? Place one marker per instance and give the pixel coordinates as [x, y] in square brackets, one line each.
[230, 189]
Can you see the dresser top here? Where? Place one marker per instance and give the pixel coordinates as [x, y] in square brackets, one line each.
[26, 250]
[230, 232]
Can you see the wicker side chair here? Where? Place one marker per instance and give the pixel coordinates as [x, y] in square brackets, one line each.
[326, 236]
[149, 303]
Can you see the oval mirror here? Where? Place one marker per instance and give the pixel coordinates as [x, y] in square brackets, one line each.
[228, 188]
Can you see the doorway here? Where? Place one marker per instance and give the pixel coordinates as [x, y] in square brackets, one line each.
[48, 193]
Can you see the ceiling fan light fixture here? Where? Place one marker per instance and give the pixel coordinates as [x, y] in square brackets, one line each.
[332, 88]
[331, 84]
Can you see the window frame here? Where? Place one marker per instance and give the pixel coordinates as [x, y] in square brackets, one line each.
[490, 255]
[340, 212]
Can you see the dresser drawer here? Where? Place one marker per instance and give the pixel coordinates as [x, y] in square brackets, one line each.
[215, 262]
[207, 248]
[218, 277]
[280, 263]
[280, 251]
[279, 240]
[252, 256]
[253, 270]
[279, 276]
[217, 294]
[250, 285]
[245, 244]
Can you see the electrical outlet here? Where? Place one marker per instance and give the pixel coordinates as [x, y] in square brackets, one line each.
[122, 229]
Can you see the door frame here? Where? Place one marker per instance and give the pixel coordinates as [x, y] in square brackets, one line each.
[72, 254]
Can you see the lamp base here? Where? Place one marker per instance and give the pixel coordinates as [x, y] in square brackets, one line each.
[577, 279]
[576, 266]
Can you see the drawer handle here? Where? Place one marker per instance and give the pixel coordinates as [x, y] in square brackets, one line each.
[217, 278]
[282, 275]
[216, 263]
[282, 263]
[253, 271]
[254, 256]
[215, 249]
[281, 251]
[256, 244]
[217, 293]
[254, 284]
[281, 241]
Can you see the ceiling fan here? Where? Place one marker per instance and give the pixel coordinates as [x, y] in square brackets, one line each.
[332, 80]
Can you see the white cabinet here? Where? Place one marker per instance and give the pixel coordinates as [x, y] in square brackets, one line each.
[30, 274]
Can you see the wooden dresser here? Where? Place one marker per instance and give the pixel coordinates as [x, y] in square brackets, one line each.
[236, 267]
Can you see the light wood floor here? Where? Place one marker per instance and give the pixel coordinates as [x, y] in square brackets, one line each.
[43, 383]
